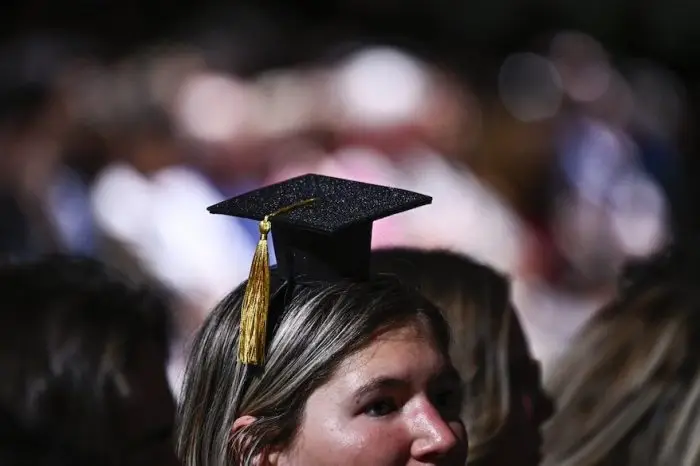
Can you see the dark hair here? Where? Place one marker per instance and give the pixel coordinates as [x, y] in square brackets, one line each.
[440, 273]
[70, 332]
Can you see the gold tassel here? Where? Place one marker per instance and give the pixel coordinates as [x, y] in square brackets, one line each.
[251, 342]
[256, 300]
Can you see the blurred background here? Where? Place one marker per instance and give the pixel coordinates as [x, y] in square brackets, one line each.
[557, 138]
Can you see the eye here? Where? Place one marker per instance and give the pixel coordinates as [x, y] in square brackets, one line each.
[381, 408]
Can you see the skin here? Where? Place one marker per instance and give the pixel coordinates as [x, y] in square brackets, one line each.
[396, 402]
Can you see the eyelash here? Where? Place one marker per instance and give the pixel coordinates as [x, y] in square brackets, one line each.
[372, 411]
[445, 401]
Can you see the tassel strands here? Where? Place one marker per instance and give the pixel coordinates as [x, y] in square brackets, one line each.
[256, 300]
[251, 343]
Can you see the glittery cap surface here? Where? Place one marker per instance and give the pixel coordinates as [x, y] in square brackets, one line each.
[329, 238]
[339, 203]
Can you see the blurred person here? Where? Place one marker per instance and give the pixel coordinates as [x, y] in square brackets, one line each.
[441, 158]
[513, 154]
[411, 138]
[41, 192]
[306, 364]
[82, 367]
[147, 205]
[484, 225]
[240, 122]
[596, 203]
[627, 388]
[605, 208]
[148, 199]
[485, 173]
[279, 125]
[20, 108]
[353, 121]
[609, 205]
[505, 405]
[423, 149]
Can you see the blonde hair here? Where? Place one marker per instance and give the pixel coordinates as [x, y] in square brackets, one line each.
[319, 327]
[628, 390]
[475, 301]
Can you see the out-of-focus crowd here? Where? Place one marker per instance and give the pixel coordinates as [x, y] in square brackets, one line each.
[554, 166]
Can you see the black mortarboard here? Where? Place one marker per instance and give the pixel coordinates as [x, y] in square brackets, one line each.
[329, 238]
[322, 231]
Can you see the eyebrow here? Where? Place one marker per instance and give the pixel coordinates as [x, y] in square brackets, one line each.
[380, 383]
[449, 375]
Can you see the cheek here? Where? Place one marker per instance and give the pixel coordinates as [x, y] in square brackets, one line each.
[358, 441]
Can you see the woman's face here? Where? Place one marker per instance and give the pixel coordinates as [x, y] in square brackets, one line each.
[396, 402]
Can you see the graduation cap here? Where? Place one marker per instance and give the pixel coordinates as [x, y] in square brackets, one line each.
[322, 231]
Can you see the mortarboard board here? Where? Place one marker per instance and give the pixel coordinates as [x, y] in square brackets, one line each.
[322, 231]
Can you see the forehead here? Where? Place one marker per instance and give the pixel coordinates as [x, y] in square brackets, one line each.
[408, 353]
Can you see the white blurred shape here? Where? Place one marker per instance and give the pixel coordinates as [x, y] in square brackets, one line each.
[212, 107]
[381, 86]
[161, 221]
[594, 160]
[466, 215]
[530, 87]
[551, 318]
[638, 214]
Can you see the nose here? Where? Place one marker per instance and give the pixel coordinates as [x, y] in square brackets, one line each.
[433, 437]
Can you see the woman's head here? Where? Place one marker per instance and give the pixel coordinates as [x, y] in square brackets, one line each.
[504, 404]
[628, 389]
[82, 363]
[355, 373]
